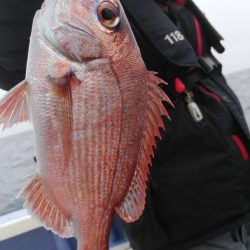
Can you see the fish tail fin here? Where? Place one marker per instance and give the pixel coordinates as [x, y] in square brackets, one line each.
[13, 107]
[43, 208]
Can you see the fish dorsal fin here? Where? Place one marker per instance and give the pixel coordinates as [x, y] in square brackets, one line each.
[13, 107]
[43, 208]
[132, 206]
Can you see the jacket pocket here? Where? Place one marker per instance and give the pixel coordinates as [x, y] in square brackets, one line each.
[207, 92]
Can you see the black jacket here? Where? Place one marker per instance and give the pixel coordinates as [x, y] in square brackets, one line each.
[15, 27]
[199, 184]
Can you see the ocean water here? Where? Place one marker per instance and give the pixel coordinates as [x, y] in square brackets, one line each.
[16, 162]
[240, 83]
[17, 151]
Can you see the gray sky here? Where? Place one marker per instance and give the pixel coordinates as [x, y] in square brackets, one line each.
[232, 19]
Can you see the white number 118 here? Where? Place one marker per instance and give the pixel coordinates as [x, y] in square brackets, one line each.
[174, 37]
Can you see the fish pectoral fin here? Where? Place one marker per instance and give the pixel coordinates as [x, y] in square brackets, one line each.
[13, 107]
[133, 205]
[43, 208]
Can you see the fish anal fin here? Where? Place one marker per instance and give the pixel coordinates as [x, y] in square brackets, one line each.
[43, 208]
[13, 107]
[131, 208]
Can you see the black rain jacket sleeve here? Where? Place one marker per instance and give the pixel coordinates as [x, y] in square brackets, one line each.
[15, 27]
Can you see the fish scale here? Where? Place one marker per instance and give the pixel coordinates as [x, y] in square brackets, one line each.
[130, 121]
[95, 110]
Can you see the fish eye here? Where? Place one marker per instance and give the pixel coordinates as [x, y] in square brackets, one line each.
[109, 15]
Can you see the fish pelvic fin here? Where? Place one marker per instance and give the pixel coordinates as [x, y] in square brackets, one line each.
[39, 204]
[133, 205]
[14, 107]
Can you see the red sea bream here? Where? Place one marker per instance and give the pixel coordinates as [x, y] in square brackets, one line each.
[95, 110]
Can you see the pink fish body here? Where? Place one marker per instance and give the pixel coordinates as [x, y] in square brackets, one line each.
[95, 111]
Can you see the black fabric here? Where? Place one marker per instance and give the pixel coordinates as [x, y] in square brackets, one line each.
[15, 26]
[212, 35]
[199, 183]
[180, 52]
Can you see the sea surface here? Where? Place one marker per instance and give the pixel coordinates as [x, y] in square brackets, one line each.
[240, 83]
[17, 151]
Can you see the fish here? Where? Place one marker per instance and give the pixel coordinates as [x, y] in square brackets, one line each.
[96, 113]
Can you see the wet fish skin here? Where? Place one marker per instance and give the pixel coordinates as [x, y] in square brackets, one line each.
[95, 111]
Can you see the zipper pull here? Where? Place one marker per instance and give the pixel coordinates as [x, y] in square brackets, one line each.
[193, 108]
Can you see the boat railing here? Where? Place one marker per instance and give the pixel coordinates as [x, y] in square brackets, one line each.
[19, 225]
